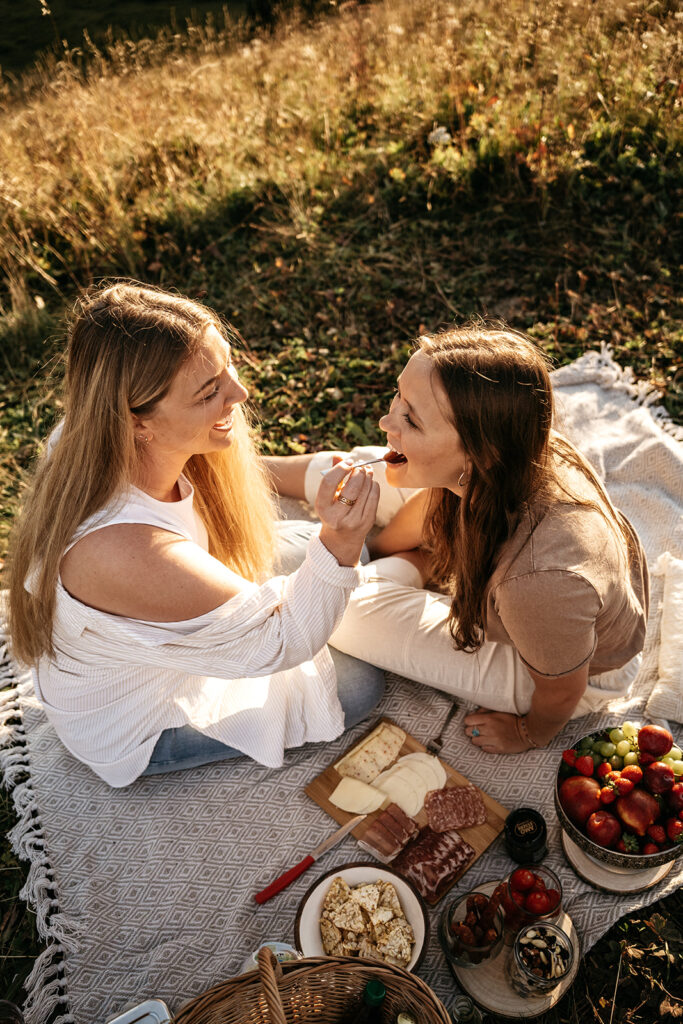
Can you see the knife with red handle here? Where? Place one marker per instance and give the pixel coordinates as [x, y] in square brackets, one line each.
[283, 881]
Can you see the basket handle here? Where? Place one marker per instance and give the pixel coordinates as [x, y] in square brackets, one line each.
[270, 973]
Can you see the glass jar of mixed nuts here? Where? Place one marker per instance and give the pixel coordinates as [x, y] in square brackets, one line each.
[542, 956]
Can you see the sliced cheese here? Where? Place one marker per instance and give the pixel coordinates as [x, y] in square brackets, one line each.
[373, 754]
[359, 765]
[434, 772]
[384, 742]
[399, 788]
[411, 776]
[356, 797]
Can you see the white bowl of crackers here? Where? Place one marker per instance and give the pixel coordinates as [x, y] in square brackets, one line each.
[363, 910]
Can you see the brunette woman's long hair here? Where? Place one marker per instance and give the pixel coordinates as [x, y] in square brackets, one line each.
[501, 404]
[126, 343]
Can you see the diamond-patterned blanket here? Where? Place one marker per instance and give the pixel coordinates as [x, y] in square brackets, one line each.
[147, 891]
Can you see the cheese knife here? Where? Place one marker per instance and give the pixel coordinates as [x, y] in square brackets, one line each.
[283, 881]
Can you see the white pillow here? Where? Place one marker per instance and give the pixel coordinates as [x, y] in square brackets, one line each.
[666, 699]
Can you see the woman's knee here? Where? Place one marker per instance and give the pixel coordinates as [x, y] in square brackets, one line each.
[360, 686]
[373, 689]
[293, 536]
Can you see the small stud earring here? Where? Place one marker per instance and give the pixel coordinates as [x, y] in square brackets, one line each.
[143, 438]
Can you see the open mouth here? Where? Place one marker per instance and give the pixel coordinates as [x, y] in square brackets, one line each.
[225, 425]
[395, 458]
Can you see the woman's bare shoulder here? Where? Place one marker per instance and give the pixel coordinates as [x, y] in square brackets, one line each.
[144, 572]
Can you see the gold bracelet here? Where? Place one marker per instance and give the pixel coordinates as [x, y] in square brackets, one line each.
[524, 732]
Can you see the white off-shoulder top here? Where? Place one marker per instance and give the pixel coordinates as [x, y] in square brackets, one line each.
[254, 673]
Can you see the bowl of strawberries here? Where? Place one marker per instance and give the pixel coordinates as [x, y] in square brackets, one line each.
[619, 796]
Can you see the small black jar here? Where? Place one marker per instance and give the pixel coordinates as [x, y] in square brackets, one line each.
[525, 836]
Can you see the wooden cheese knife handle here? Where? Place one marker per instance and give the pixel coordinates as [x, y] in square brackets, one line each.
[283, 881]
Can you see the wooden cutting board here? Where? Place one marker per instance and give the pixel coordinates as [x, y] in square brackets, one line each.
[479, 837]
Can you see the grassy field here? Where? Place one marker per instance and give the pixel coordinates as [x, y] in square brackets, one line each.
[33, 27]
[334, 188]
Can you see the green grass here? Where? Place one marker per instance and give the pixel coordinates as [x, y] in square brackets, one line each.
[292, 182]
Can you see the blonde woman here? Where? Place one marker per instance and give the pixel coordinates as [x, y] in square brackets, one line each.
[538, 593]
[141, 588]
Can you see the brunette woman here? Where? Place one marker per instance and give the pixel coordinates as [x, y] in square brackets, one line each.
[141, 576]
[543, 583]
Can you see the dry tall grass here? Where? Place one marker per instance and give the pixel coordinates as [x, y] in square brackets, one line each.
[91, 160]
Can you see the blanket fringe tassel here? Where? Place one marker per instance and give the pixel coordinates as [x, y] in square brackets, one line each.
[602, 368]
[45, 986]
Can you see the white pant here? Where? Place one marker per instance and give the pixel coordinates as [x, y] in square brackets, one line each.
[392, 622]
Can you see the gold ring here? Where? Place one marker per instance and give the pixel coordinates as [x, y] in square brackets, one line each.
[347, 501]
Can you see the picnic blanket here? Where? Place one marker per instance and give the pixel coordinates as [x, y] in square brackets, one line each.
[147, 891]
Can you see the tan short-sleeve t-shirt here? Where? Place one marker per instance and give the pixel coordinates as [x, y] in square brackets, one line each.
[565, 592]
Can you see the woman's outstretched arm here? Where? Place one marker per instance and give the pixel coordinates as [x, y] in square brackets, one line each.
[554, 698]
[404, 532]
[288, 473]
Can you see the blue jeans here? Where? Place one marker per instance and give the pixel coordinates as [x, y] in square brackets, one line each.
[359, 686]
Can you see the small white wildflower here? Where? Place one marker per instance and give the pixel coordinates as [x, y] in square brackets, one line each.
[439, 136]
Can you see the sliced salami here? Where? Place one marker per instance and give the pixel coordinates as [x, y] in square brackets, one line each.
[458, 807]
[433, 860]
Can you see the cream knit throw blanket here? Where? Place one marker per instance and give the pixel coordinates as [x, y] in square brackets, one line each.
[147, 891]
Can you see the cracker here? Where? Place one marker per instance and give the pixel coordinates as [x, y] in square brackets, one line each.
[367, 895]
[331, 936]
[366, 921]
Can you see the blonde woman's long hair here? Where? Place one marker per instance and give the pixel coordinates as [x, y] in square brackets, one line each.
[126, 343]
[501, 404]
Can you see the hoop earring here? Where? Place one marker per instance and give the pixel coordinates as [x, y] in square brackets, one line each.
[460, 479]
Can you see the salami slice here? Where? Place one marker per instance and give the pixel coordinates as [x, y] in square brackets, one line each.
[433, 860]
[458, 807]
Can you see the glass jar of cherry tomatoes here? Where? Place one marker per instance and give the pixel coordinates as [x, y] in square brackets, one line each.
[531, 895]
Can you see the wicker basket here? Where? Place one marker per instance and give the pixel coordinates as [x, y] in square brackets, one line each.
[317, 989]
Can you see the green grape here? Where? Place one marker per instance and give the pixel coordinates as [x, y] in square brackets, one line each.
[630, 730]
[667, 760]
[597, 745]
[616, 762]
[607, 749]
[632, 758]
[584, 745]
[676, 753]
[597, 758]
[616, 735]
[677, 767]
[623, 748]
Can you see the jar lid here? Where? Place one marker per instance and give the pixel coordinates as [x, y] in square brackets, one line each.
[525, 828]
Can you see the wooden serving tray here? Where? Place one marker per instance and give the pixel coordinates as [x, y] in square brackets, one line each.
[479, 837]
[488, 984]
